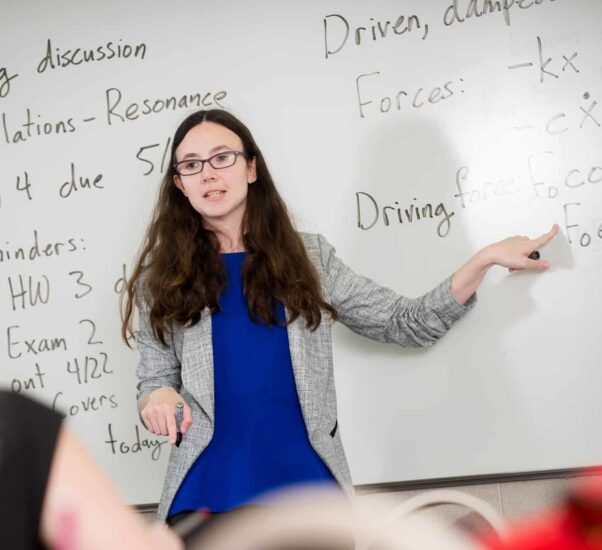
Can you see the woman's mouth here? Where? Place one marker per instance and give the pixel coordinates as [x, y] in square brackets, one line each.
[214, 195]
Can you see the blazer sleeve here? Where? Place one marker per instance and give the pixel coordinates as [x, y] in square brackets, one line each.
[158, 366]
[380, 313]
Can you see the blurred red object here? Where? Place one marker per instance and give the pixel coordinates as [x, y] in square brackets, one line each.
[575, 525]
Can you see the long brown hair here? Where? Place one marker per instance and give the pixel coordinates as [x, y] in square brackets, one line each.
[179, 272]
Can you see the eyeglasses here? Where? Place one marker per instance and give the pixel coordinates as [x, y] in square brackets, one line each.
[190, 167]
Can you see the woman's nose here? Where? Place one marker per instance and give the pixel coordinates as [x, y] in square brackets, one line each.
[208, 172]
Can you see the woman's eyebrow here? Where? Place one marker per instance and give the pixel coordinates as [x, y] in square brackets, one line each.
[197, 156]
[220, 147]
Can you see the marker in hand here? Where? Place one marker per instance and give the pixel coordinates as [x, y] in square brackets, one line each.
[179, 418]
[535, 255]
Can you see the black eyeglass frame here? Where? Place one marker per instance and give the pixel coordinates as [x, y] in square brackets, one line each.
[203, 161]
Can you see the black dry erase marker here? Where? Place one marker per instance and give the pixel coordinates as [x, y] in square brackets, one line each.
[535, 255]
[179, 418]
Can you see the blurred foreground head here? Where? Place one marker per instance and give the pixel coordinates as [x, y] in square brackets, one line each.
[315, 520]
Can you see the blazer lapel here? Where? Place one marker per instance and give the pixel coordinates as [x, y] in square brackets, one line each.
[197, 367]
[298, 345]
[197, 363]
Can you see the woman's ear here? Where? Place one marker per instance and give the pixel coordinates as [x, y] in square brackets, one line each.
[252, 171]
[178, 183]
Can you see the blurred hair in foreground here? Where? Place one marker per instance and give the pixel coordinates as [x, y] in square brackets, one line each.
[315, 520]
[312, 519]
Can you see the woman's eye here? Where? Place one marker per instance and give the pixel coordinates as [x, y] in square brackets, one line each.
[223, 157]
[192, 165]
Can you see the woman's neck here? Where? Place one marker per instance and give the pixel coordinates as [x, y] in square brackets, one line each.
[232, 248]
[230, 240]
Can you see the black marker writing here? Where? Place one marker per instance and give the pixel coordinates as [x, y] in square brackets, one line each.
[116, 112]
[92, 326]
[585, 238]
[479, 8]
[39, 249]
[34, 126]
[369, 212]
[544, 69]
[139, 445]
[587, 116]
[87, 404]
[86, 288]
[33, 346]
[336, 31]
[570, 179]
[74, 184]
[399, 99]
[5, 79]
[34, 382]
[56, 58]
[28, 292]
[89, 368]
[144, 158]
[120, 283]
[473, 194]
[25, 186]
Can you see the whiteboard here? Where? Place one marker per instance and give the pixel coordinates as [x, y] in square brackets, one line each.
[366, 113]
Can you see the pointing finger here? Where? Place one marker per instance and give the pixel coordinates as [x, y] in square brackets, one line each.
[546, 238]
[171, 427]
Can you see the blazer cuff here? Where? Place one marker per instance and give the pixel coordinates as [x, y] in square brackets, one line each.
[451, 308]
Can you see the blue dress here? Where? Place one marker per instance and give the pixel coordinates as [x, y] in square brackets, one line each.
[260, 441]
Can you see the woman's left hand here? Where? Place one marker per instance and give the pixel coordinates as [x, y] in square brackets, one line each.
[514, 252]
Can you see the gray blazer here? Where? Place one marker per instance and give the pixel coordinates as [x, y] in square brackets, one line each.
[186, 363]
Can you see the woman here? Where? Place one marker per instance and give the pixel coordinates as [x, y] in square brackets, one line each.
[236, 310]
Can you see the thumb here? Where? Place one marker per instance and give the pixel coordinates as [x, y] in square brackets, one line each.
[537, 264]
[187, 420]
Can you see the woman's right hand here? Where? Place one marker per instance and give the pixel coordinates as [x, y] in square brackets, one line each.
[158, 412]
